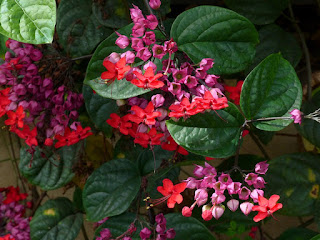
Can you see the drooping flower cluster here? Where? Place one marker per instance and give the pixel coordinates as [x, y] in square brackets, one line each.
[161, 229]
[186, 89]
[208, 179]
[12, 213]
[37, 110]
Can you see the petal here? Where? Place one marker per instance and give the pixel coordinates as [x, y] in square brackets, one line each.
[162, 191]
[263, 201]
[273, 200]
[108, 75]
[149, 72]
[156, 84]
[149, 108]
[109, 65]
[259, 208]
[177, 198]
[260, 216]
[276, 207]
[171, 203]
[180, 187]
[121, 63]
[167, 184]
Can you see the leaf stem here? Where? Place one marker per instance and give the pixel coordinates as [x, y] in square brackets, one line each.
[236, 159]
[268, 119]
[84, 232]
[257, 141]
[305, 51]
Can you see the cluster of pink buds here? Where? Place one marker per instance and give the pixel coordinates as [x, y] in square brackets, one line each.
[208, 179]
[161, 229]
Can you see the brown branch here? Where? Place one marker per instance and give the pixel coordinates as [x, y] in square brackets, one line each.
[257, 141]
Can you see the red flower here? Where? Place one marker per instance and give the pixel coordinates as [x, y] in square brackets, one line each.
[15, 117]
[115, 70]
[148, 80]
[184, 109]
[13, 195]
[266, 207]
[27, 134]
[7, 237]
[146, 115]
[151, 138]
[209, 102]
[121, 123]
[234, 92]
[171, 145]
[4, 101]
[72, 137]
[171, 192]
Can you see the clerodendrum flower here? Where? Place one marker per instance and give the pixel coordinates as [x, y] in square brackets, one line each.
[266, 207]
[170, 192]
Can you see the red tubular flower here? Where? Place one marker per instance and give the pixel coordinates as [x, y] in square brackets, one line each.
[266, 207]
[171, 192]
[171, 145]
[115, 70]
[234, 92]
[4, 101]
[15, 117]
[151, 138]
[72, 137]
[148, 80]
[27, 134]
[7, 237]
[209, 102]
[147, 115]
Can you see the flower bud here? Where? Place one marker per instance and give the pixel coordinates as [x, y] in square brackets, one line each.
[233, 204]
[217, 211]
[155, 4]
[186, 211]
[246, 207]
[207, 215]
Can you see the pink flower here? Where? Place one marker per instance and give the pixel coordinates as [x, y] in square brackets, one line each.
[234, 188]
[158, 51]
[129, 55]
[149, 38]
[246, 207]
[233, 204]
[136, 14]
[157, 100]
[208, 182]
[151, 22]
[217, 198]
[251, 178]
[190, 81]
[261, 167]
[259, 183]
[136, 43]
[198, 171]
[225, 179]
[211, 80]
[244, 193]
[144, 54]
[209, 170]
[296, 115]
[122, 41]
[179, 75]
[145, 233]
[206, 63]
[201, 196]
[255, 194]
[155, 4]
[138, 29]
[170, 46]
[219, 187]
[192, 183]
[113, 57]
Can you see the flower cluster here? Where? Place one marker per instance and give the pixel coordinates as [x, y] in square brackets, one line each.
[161, 229]
[208, 179]
[186, 89]
[12, 211]
[37, 110]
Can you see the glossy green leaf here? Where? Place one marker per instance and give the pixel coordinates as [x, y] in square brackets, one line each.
[317, 237]
[29, 21]
[119, 224]
[310, 129]
[212, 134]
[99, 109]
[111, 13]
[296, 178]
[272, 89]
[56, 219]
[273, 39]
[50, 170]
[110, 189]
[118, 89]
[187, 228]
[3, 48]
[78, 29]
[264, 136]
[259, 12]
[218, 33]
[297, 234]
[126, 148]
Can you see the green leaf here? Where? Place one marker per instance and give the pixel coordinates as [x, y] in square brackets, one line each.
[29, 21]
[148, 158]
[3, 48]
[272, 89]
[295, 178]
[120, 224]
[317, 237]
[77, 199]
[212, 134]
[121, 89]
[111, 13]
[56, 219]
[259, 12]
[264, 136]
[99, 109]
[187, 228]
[218, 33]
[126, 148]
[297, 234]
[273, 39]
[110, 189]
[50, 170]
[78, 29]
[309, 128]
